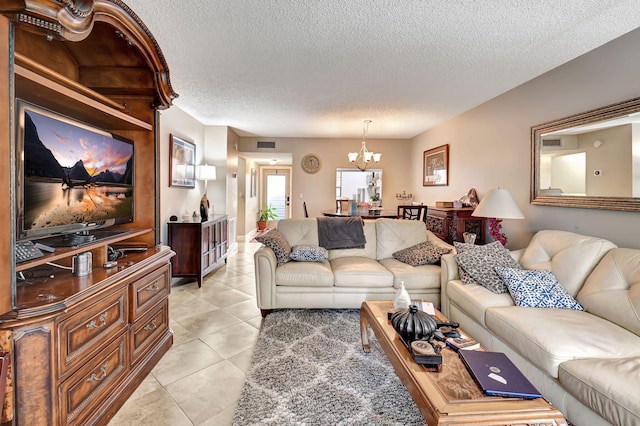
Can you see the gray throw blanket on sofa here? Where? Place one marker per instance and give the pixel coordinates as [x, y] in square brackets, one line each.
[341, 232]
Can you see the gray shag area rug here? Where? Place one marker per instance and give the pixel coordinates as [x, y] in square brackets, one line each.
[309, 368]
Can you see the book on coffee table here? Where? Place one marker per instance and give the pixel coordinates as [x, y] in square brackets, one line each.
[462, 343]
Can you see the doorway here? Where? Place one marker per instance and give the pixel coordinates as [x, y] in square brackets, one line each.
[276, 190]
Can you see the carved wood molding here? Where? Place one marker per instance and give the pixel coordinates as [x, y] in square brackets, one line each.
[73, 20]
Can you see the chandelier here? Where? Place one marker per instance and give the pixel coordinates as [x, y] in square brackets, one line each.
[364, 158]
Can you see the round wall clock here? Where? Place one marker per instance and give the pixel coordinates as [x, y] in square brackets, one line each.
[311, 163]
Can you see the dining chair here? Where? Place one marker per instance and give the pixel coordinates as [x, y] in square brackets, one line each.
[342, 205]
[412, 212]
[424, 215]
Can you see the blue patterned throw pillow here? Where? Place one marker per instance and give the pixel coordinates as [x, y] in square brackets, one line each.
[309, 254]
[537, 289]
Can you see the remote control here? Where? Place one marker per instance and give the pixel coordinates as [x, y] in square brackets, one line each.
[44, 247]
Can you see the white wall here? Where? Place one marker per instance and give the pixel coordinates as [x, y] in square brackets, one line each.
[613, 159]
[211, 148]
[175, 200]
[319, 189]
[490, 145]
[215, 153]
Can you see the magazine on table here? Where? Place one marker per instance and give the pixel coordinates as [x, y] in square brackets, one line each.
[424, 306]
[463, 342]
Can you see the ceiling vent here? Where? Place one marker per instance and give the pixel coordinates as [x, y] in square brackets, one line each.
[266, 144]
[551, 142]
[560, 143]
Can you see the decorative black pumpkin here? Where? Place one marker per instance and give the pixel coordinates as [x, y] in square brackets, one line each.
[414, 324]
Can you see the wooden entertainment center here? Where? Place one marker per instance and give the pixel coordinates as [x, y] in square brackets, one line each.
[80, 345]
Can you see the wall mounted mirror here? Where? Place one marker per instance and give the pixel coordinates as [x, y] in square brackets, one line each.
[589, 160]
[353, 181]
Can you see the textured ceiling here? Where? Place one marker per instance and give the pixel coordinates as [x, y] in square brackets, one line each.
[319, 68]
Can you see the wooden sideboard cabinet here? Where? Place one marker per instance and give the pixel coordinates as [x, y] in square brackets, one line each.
[200, 246]
[449, 224]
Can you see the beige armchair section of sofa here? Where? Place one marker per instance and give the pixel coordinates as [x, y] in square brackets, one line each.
[350, 276]
[587, 363]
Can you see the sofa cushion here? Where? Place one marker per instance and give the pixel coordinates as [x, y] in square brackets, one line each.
[571, 257]
[550, 337]
[309, 254]
[607, 386]
[278, 243]
[299, 231]
[305, 274]
[398, 234]
[481, 263]
[414, 277]
[369, 249]
[612, 291]
[423, 253]
[360, 272]
[474, 299]
[536, 289]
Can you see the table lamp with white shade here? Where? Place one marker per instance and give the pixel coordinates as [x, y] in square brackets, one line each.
[206, 173]
[498, 204]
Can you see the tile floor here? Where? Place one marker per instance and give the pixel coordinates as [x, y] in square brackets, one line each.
[198, 381]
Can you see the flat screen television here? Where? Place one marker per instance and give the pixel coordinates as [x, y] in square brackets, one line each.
[72, 178]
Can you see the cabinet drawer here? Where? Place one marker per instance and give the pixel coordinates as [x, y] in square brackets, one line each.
[149, 290]
[86, 388]
[148, 329]
[82, 334]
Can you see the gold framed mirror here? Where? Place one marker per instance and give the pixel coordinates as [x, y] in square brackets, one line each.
[589, 160]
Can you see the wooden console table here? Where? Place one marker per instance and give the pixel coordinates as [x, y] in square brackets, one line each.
[449, 224]
[200, 247]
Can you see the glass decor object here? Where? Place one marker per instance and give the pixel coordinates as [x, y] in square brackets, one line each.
[401, 300]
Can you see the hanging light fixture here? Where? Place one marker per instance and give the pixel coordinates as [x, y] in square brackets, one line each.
[364, 158]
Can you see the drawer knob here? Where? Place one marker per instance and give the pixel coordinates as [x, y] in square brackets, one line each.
[152, 326]
[102, 319]
[153, 287]
[100, 376]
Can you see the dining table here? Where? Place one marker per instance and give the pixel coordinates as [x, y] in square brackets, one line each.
[369, 214]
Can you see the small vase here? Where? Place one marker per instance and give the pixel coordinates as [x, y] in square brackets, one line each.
[402, 300]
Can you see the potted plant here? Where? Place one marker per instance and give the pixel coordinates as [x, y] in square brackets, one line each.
[264, 215]
[375, 200]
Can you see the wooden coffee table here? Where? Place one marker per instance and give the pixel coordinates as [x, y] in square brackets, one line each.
[449, 396]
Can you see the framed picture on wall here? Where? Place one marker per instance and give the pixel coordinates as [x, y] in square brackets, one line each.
[254, 188]
[182, 163]
[435, 166]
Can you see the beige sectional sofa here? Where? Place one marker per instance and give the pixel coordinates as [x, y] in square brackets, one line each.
[349, 276]
[587, 363]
